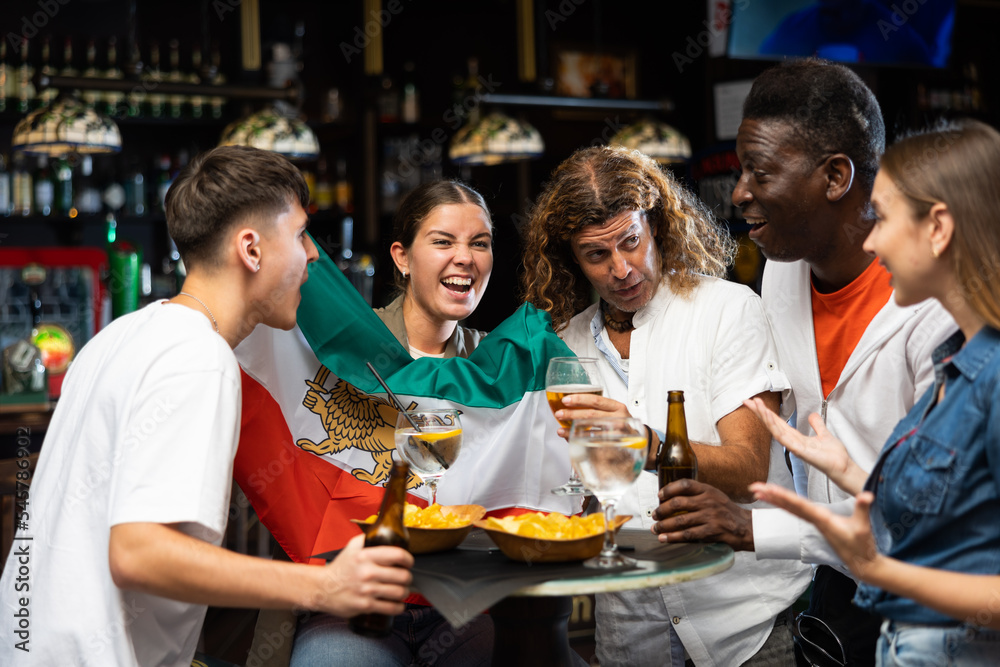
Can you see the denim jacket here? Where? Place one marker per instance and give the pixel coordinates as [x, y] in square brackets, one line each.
[937, 502]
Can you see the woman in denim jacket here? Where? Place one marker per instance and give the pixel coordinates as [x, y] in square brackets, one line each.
[925, 534]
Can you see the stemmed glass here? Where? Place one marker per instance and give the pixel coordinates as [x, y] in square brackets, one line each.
[430, 441]
[565, 376]
[609, 452]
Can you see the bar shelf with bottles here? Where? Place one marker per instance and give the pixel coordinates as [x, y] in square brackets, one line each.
[124, 88]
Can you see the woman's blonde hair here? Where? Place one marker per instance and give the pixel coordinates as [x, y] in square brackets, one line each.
[958, 164]
[589, 188]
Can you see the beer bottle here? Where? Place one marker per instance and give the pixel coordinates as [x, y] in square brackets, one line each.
[676, 459]
[388, 530]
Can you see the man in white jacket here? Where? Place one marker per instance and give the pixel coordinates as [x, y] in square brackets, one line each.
[809, 144]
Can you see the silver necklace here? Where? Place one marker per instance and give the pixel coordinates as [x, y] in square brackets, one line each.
[207, 310]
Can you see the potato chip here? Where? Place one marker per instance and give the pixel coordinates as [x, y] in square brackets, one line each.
[433, 516]
[553, 526]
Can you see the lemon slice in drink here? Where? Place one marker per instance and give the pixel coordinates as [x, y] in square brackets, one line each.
[634, 443]
[434, 436]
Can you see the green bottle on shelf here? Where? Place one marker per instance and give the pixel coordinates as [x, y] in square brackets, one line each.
[63, 180]
[44, 188]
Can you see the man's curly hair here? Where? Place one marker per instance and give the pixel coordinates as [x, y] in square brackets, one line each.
[589, 188]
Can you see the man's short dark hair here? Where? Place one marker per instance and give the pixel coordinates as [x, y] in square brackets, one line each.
[223, 187]
[830, 108]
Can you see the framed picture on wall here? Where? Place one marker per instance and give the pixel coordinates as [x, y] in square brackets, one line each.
[585, 72]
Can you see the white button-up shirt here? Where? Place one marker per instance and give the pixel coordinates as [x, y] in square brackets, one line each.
[715, 345]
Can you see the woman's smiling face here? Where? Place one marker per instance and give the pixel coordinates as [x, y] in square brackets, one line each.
[901, 242]
[449, 262]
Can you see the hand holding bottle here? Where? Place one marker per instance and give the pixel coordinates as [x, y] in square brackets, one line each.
[359, 580]
[383, 541]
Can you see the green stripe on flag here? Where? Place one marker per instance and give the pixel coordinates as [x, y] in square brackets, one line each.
[344, 333]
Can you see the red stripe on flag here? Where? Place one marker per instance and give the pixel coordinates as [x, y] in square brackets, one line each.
[306, 502]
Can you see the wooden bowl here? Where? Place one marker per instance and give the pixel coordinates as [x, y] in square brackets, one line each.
[430, 540]
[539, 550]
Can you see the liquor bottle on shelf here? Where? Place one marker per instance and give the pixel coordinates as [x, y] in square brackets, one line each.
[217, 102]
[137, 97]
[5, 198]
[973, 92]
[135, 191]
[44, 188]
[176, 101]
[358, 267]
[194, 77]
[5, 76]
[67, 68]
[21, 186]
[88, 197]
[26, 99]
[310, 178]
[48, 95]
[472, 86]
[324, 188]
[411, 98]
[333, 107]
[114, 100]
[457, 91]
[391, 180]
[431, 168]
[388, 101]
[346, 253]
[164, 179]
[92, 97]
[63, 181]
[173, 270]
[343, 193]
[113, 193]
[153, 77]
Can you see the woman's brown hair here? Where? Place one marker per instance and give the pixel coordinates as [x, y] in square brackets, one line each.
[958, 164]
[589, 188]
[419, 204]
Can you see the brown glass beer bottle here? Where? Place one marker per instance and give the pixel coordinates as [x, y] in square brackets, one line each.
[676, 459]
[388, 530]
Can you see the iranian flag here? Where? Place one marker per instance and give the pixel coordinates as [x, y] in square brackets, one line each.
[317, 436]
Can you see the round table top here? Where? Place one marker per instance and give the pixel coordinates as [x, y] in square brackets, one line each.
[463, 582]
[686, 562]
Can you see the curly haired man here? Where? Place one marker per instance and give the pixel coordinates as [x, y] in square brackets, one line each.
[611, 221]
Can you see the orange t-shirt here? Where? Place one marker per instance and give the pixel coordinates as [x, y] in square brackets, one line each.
[840, 319]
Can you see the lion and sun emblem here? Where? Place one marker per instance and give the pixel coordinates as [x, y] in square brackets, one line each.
[354, 419]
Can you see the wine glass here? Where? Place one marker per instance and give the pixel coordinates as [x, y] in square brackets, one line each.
[609, 452]
[565, 376]
[430, 441]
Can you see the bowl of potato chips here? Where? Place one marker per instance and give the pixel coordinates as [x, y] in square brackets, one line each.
[536, 537]
[434, 528]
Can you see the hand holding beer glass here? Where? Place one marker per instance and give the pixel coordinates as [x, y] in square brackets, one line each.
[565, 376]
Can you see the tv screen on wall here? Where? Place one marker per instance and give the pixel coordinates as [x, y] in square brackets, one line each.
[881, 32]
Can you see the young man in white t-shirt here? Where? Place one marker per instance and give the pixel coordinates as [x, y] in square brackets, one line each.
[130, 498]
